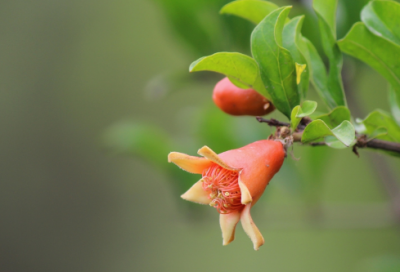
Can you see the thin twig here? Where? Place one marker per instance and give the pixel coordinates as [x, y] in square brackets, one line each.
[362, 141]
[318, 144]
[275, 123]
[272, 122]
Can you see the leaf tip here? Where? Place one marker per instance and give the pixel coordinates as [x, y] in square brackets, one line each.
[223, 9]
[286, 9]
[193, 65]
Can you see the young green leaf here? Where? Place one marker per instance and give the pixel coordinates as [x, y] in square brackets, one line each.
[306, 109]
[336, 116]
[333, 142]
[326, 12]
[242, 70]
[394, 100]
[252, 10]
[380, 119]
[276, 64]
[377, 52]
[291, 39]
[382, 19]
[294, 122]
[317, 129]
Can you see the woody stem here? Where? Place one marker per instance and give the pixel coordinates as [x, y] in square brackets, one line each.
[362, 141]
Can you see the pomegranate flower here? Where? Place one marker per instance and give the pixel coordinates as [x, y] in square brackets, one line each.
[232, 182]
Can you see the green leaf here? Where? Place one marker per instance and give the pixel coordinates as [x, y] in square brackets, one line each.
[242, 70]
[382, 19]
[335, 117]
[333, 142]
[252, 10]
[326, 12]
[276, 64]
[306, 109]
[380, 119]
[379, 132]
[377, 52]
[291, 40]
[317, 129]
[318, 75]
[394, 101]
[294, 122]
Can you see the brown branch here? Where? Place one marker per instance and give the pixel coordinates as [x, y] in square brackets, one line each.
[272, 122]
[275, 123]
[362, 141]
[384, 145]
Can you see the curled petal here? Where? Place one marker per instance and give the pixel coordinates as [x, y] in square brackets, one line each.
[246, 196]
[188, 163]
[250, 228]
[197, 194]
[212, 156]
[228, 224]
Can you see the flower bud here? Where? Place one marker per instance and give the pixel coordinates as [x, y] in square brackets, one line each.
[236, 101]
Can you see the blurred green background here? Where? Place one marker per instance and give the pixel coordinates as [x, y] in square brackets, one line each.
[75, 75]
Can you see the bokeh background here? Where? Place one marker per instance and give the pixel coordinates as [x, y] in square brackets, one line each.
[94, 94]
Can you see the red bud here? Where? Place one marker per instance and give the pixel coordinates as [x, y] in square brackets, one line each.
[236, 101]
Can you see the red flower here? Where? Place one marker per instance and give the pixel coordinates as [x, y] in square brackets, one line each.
[232, 182]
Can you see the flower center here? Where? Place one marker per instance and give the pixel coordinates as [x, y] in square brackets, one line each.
[223, 188]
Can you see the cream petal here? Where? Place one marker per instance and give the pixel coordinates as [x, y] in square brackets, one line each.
[192, 164]
[197, 194]
[246, 196]
[250, 228]
[228, 224]
[212, 156]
